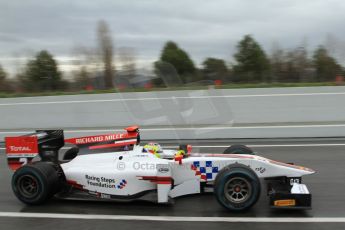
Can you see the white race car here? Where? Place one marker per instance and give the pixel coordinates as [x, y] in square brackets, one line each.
[115, 167]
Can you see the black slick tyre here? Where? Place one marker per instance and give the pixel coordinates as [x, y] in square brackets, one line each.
[237, 187]
[34, 184]
[238, 149]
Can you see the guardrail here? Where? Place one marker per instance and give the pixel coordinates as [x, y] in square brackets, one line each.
[240, 113]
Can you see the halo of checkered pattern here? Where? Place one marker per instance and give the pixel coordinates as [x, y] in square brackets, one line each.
[205, 170]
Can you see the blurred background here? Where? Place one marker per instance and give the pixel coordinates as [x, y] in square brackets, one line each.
[58, 47]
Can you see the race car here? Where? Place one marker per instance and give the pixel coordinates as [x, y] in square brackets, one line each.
[115, 167]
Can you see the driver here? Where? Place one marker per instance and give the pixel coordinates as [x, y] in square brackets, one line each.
[153, 148]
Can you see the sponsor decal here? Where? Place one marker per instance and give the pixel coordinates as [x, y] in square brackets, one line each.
[260, 169]
[163, 170]
[20, 149]
[104, 196]
[21, 145]
[100, 195]
[106, 141]
[103, 182]
[284, 203]
[295, 180]
[21, 155]
[122, 184]
[94, 139]
[101, 138]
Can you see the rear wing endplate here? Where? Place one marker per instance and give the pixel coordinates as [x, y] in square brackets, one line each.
[22, 150]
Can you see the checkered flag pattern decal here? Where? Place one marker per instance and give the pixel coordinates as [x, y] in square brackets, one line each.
[205, 170]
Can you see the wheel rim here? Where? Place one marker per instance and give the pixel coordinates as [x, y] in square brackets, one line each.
[27, 186]
[237, 190]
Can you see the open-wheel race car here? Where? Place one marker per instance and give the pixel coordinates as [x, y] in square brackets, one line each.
[114, 167]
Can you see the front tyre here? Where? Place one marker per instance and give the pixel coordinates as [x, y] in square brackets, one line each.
[238, 149]
[35, 183]
[237, 187]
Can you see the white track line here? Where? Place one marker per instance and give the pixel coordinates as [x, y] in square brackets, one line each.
[177, 218]
[170, 98]
[189, 128]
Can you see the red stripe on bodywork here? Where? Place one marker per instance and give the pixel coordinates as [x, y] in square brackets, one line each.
[291, 166]
[163, 182]
[157, 179]
[225, 155]
[75, 184]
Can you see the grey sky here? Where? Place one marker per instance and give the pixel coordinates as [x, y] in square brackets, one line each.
[202, 28]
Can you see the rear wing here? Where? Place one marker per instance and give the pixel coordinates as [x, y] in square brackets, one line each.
[23, 149]
[46, 144]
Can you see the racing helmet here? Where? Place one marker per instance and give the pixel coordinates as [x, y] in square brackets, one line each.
[152, 148]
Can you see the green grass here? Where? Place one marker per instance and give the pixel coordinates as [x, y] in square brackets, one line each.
[226, 86]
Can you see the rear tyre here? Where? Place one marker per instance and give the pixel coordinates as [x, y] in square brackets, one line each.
[36, 183]
[237, 187]
[238, 149]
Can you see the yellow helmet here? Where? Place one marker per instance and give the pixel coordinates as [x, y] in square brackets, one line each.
[153, 148]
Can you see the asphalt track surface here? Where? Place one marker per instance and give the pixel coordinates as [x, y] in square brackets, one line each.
[325, 155]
